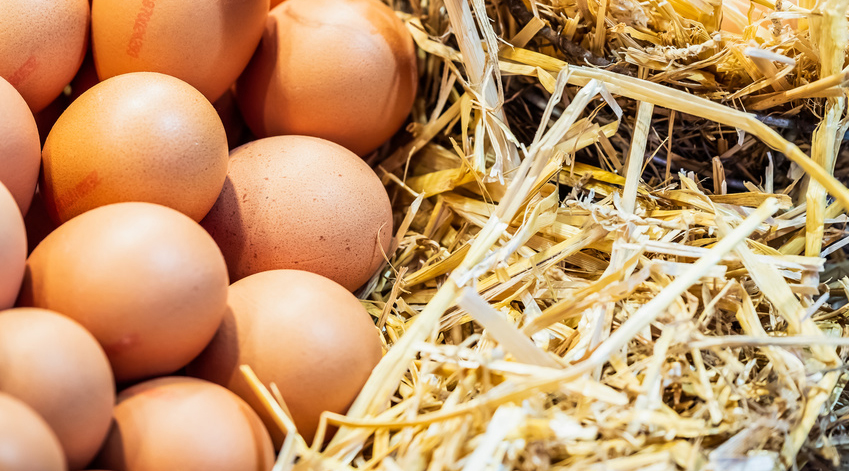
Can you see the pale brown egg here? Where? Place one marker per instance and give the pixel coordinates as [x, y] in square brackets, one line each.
[148, 282]
[301, 331]
[343, 70]
[301, 203]
[13, 248]
[26, 441]
[135, 137]
[42, 45]
[206, 43]
[57, 367]
[20, 147]
[176, 423]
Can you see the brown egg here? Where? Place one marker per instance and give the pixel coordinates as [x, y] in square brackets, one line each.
[175, 423]
[146, 281]
[26, 441]
[13, 248]
[343, 70]
[42, 45]
[206, 43]
[136, 137]
[303, 332]
[301, 203]
[20, 148]
[57, 367]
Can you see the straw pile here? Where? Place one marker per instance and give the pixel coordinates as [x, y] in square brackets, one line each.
[619, 244]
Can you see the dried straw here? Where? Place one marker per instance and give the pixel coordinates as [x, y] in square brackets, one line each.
[603, 261]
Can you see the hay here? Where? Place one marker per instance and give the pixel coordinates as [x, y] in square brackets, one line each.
[603, 260]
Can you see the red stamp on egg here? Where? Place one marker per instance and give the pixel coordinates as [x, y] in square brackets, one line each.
[140, 28]
[24, 71]
[79, 191]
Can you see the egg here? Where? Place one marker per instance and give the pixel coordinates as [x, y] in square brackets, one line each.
[206, 43]
[13, 248]
[175, 423]
[301, 203]
[26, 441]
[42, 45]
[148, 282]
[136, 137]
[20, 147]
[57, 367]
[343, 70]
[301, 331]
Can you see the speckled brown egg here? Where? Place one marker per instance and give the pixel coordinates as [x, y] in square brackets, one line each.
[175, 423]
[42, 45]
[136, 137]
[206, 43]
[301, 203]
[148, 282]
[13, 248]
[303, 332]
[20, 148]
[343, 70]
[57, 367]
[26, 441]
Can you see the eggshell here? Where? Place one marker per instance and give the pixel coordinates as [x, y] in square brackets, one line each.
[13, 249]
[301, 331]
[136, 137]
[20, 147]
[26, 441]
[57, 367]
[343, 70]
[301, 203]
[42, 45]
[206, 43]
[177, 423]
[148, 282]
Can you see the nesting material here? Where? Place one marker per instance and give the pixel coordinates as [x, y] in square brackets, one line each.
[619, 246]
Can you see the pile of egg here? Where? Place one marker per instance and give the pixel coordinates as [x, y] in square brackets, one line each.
[183, 191]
